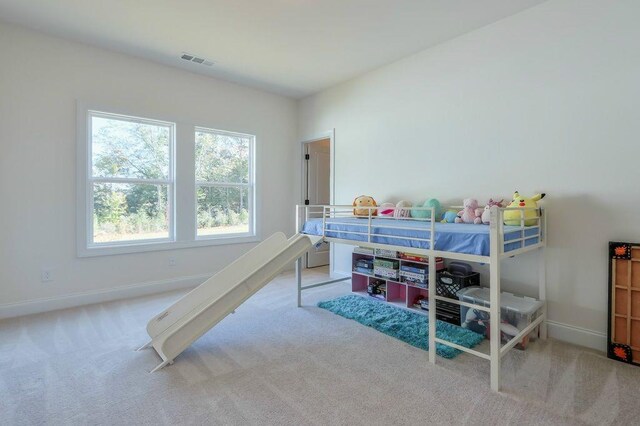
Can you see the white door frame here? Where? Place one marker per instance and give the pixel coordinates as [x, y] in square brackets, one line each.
[329, 134]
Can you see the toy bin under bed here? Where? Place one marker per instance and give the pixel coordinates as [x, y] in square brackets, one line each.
[516, 313]
[453, 237]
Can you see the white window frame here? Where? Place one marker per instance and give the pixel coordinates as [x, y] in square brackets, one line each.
[250, 185]
[183, 211]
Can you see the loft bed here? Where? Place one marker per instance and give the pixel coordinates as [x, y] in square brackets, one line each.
[488, 244]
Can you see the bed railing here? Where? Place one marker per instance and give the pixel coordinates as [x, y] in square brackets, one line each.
[334, 216]
[524, 236]
[530, 233]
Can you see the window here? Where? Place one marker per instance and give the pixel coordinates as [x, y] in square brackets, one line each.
[224, 183]
[149, 184]
[131, 182]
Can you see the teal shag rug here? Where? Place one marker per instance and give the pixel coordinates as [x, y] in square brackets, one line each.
[410, 327]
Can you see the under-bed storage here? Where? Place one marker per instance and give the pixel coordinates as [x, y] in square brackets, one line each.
[516, 313]
[380, 282]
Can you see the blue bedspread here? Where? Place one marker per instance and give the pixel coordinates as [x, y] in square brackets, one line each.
[454, 237]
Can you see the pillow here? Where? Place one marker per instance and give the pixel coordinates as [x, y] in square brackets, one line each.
[386, 210]
[401, 211]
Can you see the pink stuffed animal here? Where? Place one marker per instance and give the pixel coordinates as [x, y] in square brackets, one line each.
[471, 212]
[486, 215]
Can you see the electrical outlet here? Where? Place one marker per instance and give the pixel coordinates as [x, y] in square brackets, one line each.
[46, 275]
[172, 261]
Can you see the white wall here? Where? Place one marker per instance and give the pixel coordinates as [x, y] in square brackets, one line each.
[40, 79]
[546, 100]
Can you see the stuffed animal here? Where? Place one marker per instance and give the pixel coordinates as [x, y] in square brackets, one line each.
[486, 214]
[401, 210]
[386, 209]
[364, 201]
[426, 214]
[471, 213]
[449, 216]
[513, 217]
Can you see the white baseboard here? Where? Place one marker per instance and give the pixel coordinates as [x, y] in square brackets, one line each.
[577, 335]
[35, 306]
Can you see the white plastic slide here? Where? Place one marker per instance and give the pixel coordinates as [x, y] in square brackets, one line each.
[174, 329]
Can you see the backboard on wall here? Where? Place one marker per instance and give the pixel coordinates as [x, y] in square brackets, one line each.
[624, 302]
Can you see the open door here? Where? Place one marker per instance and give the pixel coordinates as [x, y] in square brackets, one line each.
[317, 183]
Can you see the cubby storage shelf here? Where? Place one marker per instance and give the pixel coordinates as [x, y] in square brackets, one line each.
[398, 293]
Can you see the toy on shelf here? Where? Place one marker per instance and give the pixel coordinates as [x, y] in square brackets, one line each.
[471, 213]
[402, 210]
[426, 214]
[449, 216]
[514, 217]
[386, 209]
[486, 214]
[377, 288]
[418, 301]
[361, 202]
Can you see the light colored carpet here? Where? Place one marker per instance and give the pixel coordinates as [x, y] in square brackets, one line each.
[272, 363]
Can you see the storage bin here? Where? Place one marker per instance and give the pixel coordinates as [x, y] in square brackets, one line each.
[449, 284]
[516, 312]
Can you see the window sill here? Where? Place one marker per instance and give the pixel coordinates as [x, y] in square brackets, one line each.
[106, 250]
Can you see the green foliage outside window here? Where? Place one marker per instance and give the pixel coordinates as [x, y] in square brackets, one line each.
[138, 150]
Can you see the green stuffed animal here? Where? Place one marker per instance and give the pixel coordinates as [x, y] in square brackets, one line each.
[426, 214]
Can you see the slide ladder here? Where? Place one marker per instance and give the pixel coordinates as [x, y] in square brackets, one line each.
[177, 327]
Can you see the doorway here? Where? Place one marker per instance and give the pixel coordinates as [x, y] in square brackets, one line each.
[316, 189]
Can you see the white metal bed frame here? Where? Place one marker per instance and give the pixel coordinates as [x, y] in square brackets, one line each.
[332, 214]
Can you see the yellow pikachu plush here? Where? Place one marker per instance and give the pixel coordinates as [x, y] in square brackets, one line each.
[364, 201]
[513, 217]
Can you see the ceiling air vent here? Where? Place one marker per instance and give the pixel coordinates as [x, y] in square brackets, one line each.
[196, 59]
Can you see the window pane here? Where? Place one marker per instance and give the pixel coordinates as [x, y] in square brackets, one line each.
[222, 210]
[129, 149]
[124, 212]
[221, 157]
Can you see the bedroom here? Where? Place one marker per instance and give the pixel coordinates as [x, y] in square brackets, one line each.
[446, 100]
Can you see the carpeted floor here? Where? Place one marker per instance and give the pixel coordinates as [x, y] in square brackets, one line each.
[272, 363]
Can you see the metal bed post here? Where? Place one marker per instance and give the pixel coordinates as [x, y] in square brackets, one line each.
[299, 260]
[432, 293]
[326, 214]
[542, 271]
[299, 279]
[494, 296]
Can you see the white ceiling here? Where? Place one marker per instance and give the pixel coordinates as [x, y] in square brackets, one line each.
[291, 47]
